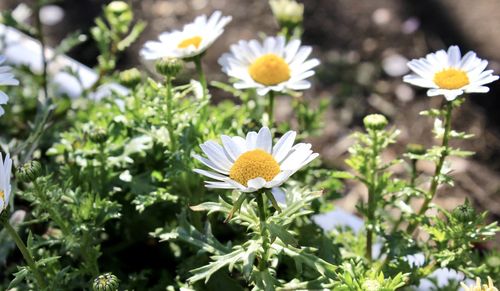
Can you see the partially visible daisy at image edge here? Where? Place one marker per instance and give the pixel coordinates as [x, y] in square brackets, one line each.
[273, 65]
[5, 187]
[450, 74]
[479, 286]
[6, 79]
[194, 38]
[253, 163]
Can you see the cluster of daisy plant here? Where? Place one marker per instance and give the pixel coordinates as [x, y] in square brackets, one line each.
[144, 182]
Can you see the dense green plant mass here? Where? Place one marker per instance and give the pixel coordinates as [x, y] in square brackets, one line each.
[110, 194]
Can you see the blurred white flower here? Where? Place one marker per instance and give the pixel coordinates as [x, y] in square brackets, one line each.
[450, 74]
[6, 79]
[5, 187]
[192, 40]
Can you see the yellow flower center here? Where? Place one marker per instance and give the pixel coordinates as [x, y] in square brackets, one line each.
[451, 79]
[254, 164]
[195, 40]
[269, 69]
[2, 196]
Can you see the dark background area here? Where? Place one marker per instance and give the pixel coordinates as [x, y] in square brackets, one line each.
[362, 46]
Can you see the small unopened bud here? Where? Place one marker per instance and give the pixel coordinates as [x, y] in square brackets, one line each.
[169, 67]
[105, 282]
[99, 135]
[119, 14]
[371, 285]
[130, 78]
[416, 149]
[287, 12]
[375, 121]
[464, 213]
[29, 172]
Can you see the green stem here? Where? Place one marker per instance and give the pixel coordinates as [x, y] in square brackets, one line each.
[103, 172]
[414, 174]
[263, 230]
[372, 196]
[201, 75]
[270, 108]
[54, 215]
[170, 124]
[26, 254]
[439, 166]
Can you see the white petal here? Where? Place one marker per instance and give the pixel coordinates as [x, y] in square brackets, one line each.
[256, 183]
[211, 165]
[283, 146]
[454, 56]
[231, 148]
[216, 154]
[251, 140]
[279, 195]
[219, 185]
[211, 174]
[264, 139]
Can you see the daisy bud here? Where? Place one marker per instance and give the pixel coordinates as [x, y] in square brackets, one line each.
[119, 14]
[130, 78]
[29, 172]
[287, 12]
[99, 135]
[375, 121]
[169, 67]
[105, 282]
[415, 149]
[464, 213]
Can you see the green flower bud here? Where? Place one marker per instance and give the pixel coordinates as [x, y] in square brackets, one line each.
[371, 285]
[119, 15]
[29, 171]
[130, 78]
[464, 213]
[287, 12]
[375, 122]
[98, 135]
[105, 282]
[416, 149]
[169, 67]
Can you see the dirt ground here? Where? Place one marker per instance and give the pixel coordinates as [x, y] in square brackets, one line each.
[363, 46]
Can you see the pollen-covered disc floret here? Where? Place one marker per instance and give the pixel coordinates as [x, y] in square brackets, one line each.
[252, 163]
[6, 79]
[450, 74]
[5, 188]
[273, 65]
[192, 40]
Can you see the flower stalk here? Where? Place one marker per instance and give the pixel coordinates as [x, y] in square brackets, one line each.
[436, 178]
[25, 252]
[270, 108]
[263, 229]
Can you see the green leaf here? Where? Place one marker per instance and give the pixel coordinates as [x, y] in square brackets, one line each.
[18, 277]
[134, 34]
[342, 175]
[280, 232]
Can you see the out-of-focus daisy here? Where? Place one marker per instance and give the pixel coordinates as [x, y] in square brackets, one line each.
[479, 287]
[192, 40]
[274, 65]
[6, 78]
[450, 74]
[5, 170]
[254, 163]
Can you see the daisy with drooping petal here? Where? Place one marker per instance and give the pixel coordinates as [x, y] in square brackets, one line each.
[5, 171]
[272, 66]
[450, 74]
[6, 78]
[192, 40]
[253, 163]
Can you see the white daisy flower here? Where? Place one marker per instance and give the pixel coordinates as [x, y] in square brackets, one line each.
[5, 171]
[253, 163]
[274, 65]
[450, 74]
[6, 78]
[192, 40]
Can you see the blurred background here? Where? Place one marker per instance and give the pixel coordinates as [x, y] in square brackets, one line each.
[363, 47]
